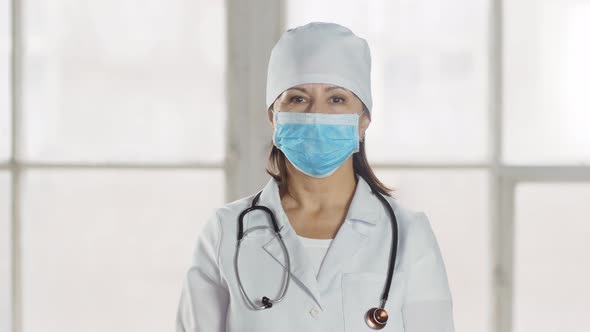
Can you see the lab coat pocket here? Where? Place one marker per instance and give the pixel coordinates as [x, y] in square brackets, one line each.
[362, 291]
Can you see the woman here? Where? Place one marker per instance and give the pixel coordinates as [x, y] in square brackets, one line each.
[339, 230]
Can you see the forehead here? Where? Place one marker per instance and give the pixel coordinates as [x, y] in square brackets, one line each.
[307, 87]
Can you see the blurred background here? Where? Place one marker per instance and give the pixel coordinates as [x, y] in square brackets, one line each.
[124, 123]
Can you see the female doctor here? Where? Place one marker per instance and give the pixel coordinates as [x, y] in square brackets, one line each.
[323, 246]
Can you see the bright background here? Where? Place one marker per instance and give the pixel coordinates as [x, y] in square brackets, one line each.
[124, 123]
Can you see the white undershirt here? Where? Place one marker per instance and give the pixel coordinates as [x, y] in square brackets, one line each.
[316, 250]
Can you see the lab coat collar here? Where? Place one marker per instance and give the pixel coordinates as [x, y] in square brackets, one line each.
[363, 207]
[363, 213]
[271, 198]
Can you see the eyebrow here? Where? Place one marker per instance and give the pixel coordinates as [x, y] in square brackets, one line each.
[330, 88]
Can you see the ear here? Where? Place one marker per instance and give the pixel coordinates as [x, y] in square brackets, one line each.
[270, 119]
[364, 122]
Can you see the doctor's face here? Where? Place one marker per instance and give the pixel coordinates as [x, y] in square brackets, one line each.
[318, 98]
[321, 98]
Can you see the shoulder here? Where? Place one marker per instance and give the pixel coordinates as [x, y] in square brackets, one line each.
[223, 220]
[231, 210]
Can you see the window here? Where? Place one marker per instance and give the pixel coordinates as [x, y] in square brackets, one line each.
[90, 66]
[547, 108]
[5, 78]
[109, 243]
[114, 177]
[5, 252]
[552, 256]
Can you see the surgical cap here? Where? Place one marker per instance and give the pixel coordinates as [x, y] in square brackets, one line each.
[320, 52]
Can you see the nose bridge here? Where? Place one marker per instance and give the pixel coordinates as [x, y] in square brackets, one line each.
[317, 103]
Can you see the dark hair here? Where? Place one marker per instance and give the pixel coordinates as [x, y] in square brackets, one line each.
[277, 168]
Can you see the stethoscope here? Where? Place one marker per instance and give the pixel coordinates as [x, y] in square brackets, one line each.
[376, 318]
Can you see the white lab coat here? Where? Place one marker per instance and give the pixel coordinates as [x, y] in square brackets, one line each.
[350, 280]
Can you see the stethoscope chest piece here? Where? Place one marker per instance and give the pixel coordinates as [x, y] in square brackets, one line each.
[376, 318]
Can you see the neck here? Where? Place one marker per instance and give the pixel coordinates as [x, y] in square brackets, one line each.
[316, 194]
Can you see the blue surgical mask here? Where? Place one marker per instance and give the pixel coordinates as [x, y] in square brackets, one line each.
[316, 143]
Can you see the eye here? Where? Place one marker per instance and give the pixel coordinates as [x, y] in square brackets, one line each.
[297, 99]
[338, 99]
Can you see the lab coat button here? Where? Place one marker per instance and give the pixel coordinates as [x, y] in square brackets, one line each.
[314, 312]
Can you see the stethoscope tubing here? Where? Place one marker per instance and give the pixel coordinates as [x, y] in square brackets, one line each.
[393, 249]
[267, 303]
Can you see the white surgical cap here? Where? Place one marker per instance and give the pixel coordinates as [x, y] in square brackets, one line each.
[320, 52]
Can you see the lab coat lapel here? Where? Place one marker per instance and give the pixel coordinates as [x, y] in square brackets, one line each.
[346, 244]
[301, 268]
[364, 212]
